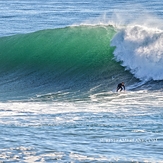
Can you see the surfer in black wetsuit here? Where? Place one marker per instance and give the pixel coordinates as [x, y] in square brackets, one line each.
[121, 86]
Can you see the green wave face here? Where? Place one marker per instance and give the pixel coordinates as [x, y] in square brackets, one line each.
[72, 57]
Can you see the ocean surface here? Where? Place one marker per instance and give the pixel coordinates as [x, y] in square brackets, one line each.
[60, 63]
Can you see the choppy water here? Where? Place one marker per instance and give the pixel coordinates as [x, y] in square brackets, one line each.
[60, 63]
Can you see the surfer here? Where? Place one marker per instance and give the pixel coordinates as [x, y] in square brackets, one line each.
[121, 86]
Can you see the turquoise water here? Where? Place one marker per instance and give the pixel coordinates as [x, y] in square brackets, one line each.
[60, 63]
[71, 58]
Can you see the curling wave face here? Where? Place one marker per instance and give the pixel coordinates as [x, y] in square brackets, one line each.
[68, 58]
[79, 58]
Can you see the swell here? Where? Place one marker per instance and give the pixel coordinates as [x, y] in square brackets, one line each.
[76, 58]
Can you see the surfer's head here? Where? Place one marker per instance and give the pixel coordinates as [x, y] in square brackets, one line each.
[123, 83]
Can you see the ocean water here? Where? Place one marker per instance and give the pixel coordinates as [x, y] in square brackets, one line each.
[60, 63]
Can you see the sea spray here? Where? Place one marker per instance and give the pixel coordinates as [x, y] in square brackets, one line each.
[141, 51]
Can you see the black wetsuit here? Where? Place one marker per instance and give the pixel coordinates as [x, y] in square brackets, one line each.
[120, 87]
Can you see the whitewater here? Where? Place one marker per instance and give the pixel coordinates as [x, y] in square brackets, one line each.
[60, 63]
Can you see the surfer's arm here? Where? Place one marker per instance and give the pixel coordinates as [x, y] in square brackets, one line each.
[124, 87]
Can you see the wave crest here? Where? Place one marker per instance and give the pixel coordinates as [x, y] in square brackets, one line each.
[141, 51]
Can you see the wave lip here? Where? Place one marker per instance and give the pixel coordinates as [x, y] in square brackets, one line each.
[140, 50]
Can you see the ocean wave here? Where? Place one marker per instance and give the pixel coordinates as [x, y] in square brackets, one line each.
[79, 58]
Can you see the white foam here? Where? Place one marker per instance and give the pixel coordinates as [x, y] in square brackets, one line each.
[141, 51]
